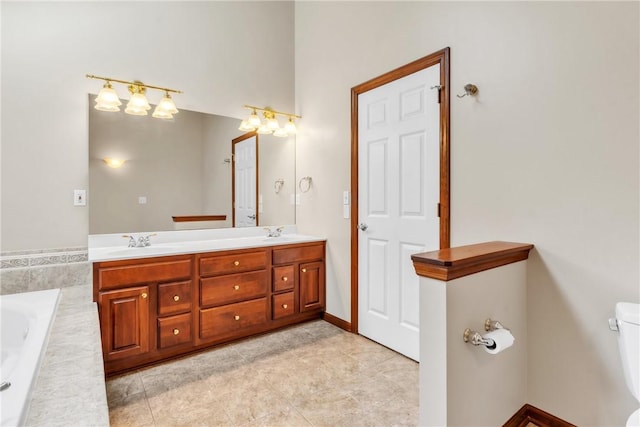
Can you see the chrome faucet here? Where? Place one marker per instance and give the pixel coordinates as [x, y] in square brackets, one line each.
[274, 232]
[142, 241]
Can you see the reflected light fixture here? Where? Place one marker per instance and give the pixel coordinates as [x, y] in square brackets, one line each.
[113, 163]
[108, 100]
[270, 125]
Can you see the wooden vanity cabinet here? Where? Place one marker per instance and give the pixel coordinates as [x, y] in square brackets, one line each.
[124, 321]
[298, 279]
[145, 306]
[154, 309]
[233, 293]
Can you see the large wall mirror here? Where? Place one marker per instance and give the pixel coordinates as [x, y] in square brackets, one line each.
[180, 168]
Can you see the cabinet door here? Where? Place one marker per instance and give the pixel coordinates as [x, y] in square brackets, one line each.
[311, 286]
[124, 322]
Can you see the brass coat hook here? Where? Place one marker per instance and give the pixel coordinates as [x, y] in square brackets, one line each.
[469, 89]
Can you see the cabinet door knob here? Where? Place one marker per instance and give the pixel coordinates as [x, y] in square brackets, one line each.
[237, 317]
[236, 263]
[284, 306]
[236, 287]
[144, 295]
[176, 298]
[176, 331]
[285, 278]
[304, 270]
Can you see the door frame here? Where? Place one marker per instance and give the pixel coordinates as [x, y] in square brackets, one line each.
[440, 57]
[234, 141]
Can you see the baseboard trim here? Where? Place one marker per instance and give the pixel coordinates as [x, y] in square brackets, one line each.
[530, 414]
[342, 324]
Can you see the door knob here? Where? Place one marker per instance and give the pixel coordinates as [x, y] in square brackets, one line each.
[362, 226]
[251, 216]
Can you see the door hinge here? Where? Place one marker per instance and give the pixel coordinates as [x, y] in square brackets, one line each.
[439, 87]
[438, 210]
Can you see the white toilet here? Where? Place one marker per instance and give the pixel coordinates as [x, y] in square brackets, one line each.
[627, 322]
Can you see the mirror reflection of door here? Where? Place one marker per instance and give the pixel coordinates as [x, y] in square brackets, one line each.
[245, 180]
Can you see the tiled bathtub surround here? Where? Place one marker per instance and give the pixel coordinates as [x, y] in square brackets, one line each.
[70, 389]
[36, 270]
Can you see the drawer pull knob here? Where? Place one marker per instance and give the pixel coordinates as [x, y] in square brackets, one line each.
[285, 306]
[236, 287]
[176, 298]
[176, 331]
[285, 278]
[237, 317]
[236, 263]
[144, 295]
[304, 270]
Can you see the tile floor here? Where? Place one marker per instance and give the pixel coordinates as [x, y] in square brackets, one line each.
[313, 374]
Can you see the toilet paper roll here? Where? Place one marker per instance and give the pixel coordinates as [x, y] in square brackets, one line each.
[502, 339]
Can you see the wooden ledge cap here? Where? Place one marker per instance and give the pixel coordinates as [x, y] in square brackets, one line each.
[195, 218]
[452, 263]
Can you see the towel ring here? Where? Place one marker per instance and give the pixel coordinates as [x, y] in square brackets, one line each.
[277, 186]
[305, 184]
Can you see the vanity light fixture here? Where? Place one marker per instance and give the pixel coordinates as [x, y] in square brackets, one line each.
[108, 100]
[271, 125]
[113, 163]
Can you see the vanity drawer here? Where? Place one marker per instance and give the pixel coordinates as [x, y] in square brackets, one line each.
[174, 330]
[174, 298]
[233, 287]
[110, 277]
[298, 254]
[283, 305]
[225, 264]
[232, 317]
[283, 278]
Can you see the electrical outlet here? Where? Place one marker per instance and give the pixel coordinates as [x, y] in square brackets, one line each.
[79, 197]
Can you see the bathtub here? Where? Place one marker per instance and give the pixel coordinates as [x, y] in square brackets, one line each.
[25, 320]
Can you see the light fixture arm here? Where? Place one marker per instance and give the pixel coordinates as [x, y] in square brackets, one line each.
[269, 110]
[133, 83]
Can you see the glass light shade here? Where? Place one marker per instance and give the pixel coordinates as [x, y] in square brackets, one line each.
[254, 120]
[107, 99]
[114, 163]
[167, 104]
[264, 130]
[138, 105]
[290, 127]
[272, 123]
[280, 132]
[246, 127]
[161, 114]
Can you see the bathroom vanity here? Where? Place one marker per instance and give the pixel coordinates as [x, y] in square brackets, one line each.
[153, 308]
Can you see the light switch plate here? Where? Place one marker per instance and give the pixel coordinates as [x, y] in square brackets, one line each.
[79, 197]
[345, 197]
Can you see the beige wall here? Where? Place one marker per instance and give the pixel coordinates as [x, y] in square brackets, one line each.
[546, 153]
[221, 54]
[461, 384]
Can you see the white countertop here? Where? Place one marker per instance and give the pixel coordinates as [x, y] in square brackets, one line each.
[113, 247]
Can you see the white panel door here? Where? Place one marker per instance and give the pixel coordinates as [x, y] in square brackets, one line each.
[398, 195]
[245, 182]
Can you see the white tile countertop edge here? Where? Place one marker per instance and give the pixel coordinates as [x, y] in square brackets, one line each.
[112, 247]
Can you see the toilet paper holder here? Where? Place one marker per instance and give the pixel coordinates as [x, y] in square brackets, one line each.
[475, 338]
